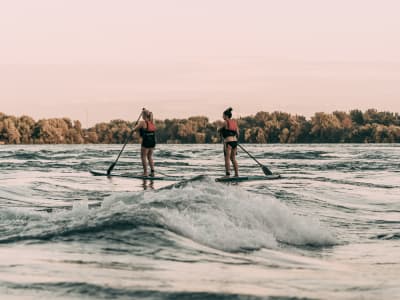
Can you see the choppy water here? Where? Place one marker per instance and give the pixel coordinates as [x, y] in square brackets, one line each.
[330, 229]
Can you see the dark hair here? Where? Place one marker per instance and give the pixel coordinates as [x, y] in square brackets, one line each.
[228, 112]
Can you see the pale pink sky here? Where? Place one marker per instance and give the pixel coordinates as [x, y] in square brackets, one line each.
[97, 60]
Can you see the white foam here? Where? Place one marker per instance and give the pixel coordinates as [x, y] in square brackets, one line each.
[80, 209]
[12, 214]
[230, 218]
[223, 217]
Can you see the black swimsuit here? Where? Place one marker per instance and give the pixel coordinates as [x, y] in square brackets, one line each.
[227, 133]
[148, 137]
[233, 144]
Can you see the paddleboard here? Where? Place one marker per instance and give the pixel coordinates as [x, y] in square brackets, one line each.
[134, 176]
[247, 178]
[183, 182]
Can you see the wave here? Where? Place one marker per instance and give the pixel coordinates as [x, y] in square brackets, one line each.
[230, 218]
[26, 156]
[356, 166]
[388, 236]
[222, 217]
[350, 182]
[320, 155]
[56, 290]
[36, 165]
[170, 154]
[15, 195]
[59, 155]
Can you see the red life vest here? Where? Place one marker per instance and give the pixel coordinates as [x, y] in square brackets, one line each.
[148, 131]
[150, 126]
[230, 129]
[232, 125]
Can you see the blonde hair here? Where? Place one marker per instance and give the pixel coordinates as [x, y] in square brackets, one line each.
[148, 115]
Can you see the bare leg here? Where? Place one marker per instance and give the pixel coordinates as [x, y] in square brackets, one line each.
[143, 156]
[150, 159]
[228, 150]
[234, 162]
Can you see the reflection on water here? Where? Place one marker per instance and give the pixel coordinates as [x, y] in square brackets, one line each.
[148, 184]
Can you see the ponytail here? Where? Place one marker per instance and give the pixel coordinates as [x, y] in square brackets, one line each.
[148, 114]
[228, 112]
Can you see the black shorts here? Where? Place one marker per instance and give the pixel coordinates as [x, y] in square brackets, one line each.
[148, 142]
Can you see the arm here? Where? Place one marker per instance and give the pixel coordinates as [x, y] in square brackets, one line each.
[221, 128]
[138, 126]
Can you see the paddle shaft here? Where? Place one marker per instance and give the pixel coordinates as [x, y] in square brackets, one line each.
[264, 168]
[123, 147]
[241, 147]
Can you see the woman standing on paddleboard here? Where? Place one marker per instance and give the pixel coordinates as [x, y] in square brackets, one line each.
[147, 131]
[230, 134]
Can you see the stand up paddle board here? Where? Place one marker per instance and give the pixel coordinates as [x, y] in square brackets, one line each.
[247, 178]
[135, 176]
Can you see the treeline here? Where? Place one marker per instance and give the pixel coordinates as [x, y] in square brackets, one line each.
[370, 126]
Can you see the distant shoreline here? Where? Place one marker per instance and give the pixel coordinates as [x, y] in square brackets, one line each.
[355, 126]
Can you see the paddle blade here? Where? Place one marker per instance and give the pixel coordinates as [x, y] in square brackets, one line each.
[111, 168]
[266, 170]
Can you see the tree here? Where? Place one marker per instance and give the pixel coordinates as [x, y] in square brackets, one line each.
[10, 132]
[371, 126]
[357, 116]
[25, 126]
[326, 128]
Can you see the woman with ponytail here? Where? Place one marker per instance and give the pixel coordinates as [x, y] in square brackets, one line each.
[230, 134]
[147, 132]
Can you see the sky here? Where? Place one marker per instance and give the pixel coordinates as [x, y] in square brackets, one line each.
[98, 60]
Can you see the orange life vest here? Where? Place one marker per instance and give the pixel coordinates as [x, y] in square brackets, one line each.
[230, 129]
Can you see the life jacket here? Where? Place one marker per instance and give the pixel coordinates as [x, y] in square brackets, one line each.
[230, 129]
[149, 130]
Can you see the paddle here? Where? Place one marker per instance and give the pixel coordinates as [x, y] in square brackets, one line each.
[264, 168]
[126, 142]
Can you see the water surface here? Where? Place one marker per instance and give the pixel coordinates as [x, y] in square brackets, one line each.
[329, 229]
